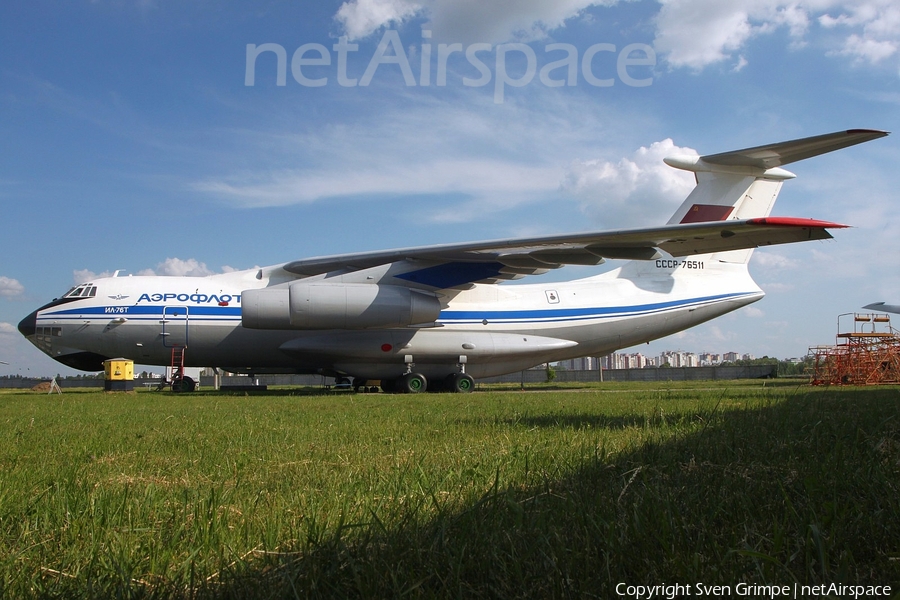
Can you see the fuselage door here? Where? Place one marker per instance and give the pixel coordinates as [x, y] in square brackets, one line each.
[175, 326]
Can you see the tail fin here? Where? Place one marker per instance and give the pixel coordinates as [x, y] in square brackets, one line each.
[744, 184]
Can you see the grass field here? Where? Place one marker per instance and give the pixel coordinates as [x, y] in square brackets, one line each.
[499, 493]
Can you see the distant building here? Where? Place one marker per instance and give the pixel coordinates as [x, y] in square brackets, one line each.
[672, 358]
[626, 361]
[708, 359]
[586, 363]
[679, 359]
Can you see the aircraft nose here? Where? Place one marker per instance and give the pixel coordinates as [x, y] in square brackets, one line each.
[28, 325]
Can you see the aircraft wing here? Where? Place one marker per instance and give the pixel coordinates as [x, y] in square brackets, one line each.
[459, 265]
[881, 306]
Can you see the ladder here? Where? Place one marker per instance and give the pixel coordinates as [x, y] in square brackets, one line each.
[177, 372]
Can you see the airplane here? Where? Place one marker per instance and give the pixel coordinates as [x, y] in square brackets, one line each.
[881, 306]
[433, 317]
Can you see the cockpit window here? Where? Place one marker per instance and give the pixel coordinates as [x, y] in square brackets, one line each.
[82, 291]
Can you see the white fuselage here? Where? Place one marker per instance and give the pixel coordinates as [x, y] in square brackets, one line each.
[490, 329]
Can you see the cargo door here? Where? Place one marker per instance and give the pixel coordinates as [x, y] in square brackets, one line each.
[175, 326]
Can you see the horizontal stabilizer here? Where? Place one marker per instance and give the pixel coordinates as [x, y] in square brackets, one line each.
[753, 233]
[783, 153]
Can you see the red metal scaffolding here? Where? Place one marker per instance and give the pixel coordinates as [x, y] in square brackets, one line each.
[867, 355]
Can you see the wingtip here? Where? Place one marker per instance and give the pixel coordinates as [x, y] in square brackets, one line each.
[876, 133]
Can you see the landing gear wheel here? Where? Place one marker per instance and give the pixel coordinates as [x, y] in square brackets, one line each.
[459, 383]
[183, 384]
[412, 383]
[388, 386]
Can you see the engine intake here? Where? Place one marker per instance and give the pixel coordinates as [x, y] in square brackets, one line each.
[336, 306]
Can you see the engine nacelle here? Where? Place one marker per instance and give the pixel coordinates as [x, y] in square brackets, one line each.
[336, 306]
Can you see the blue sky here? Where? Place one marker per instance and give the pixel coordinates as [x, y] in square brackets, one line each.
[130, 138]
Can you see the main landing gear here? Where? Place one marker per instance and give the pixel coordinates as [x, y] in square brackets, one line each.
[459, 383]
[413, 383]
[410, 383]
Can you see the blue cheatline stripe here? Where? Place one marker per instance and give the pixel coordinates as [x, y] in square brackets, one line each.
[227, 313]
[138, 311]
[577, 314]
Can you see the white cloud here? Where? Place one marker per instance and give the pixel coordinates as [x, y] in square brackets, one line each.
[363, 17]
[699, 33]
[772, 261]
[85, 275]
[171, 266]
[716, 333]
[869, 50]
[876, 29]
[775, 287]
[465, 21]
[633, 191]
[180, 268]
[448, 154]
[493, 21]
[438, 175]
[10, 339]
[10, 287]
[689, 33]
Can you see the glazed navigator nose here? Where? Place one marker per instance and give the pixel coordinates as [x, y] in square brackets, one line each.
[28, 325]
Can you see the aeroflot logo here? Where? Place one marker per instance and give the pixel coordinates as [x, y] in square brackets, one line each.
[632, 64]
[220, 299]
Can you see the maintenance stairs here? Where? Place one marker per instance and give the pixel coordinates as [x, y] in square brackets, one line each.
[178, 380]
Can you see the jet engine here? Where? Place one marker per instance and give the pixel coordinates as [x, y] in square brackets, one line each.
[337, 306]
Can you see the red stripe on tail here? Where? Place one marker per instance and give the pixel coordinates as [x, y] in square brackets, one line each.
[700, 213]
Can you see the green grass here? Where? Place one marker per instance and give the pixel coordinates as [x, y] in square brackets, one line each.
[547, 493]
